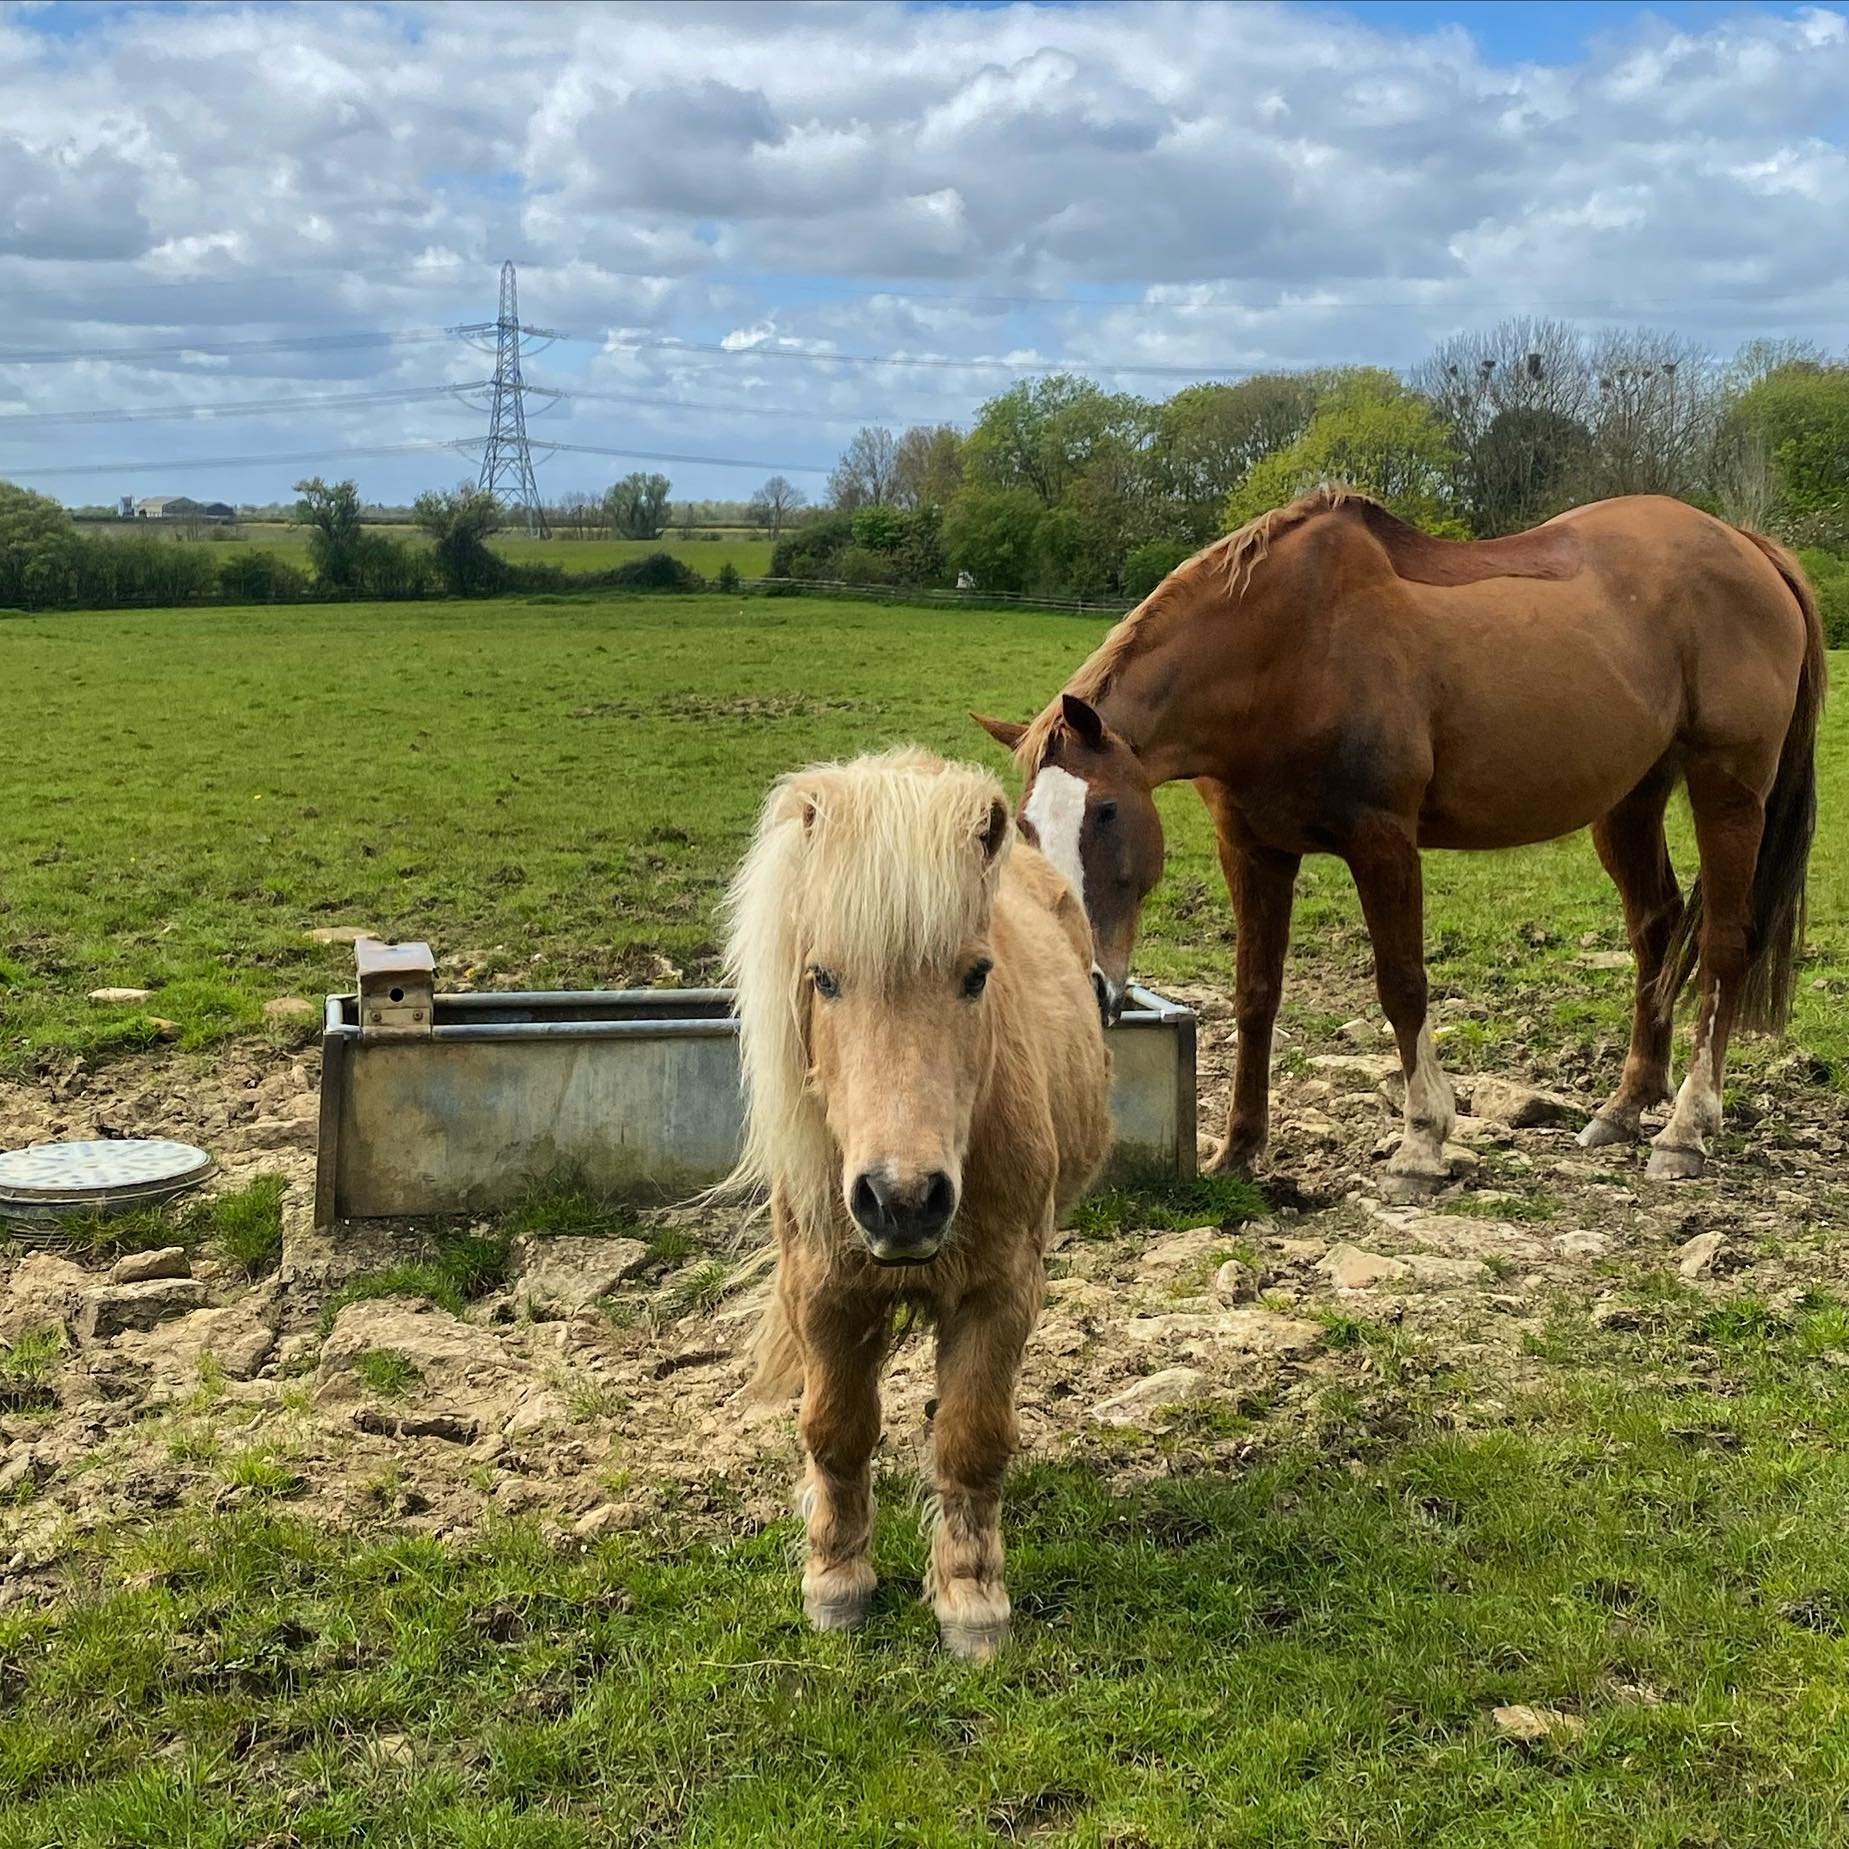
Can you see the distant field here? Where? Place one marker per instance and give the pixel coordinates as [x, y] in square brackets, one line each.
[570, 784]
[749, 553]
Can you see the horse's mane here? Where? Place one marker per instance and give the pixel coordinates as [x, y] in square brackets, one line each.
[1233, 559]
[876, 865]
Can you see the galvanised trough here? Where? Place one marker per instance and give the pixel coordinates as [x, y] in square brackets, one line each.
[436, 1104]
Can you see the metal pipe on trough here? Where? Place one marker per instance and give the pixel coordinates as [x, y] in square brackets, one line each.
[435, 1104]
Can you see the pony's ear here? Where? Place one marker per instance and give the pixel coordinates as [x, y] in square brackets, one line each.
[798, 802]
[1082, 718]
[994, 830]
[1004, 731]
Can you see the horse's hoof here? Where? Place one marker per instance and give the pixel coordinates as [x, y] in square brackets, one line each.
[1672, 1162]
[974, 1642]
[1406, 1187]
[839, 1602]
[1602, 1131]
[1229, 1159]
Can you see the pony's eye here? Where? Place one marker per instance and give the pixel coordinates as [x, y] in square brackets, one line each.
[1106, 813]
[977, 978]
[827, 983]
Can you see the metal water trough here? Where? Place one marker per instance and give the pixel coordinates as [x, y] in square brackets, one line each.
[435, 1104]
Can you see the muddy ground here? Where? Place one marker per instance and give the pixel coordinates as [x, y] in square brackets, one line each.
[605, 1386]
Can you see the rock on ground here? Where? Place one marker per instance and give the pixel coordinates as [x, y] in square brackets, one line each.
[1520, 1722]
[1696, 1258]
[1348, 1267]
[43, 1293]
[567, 1272]
[461, 1360]
[140, 1267]
[1146, 1400]
[114, 1309]
[1521, 1107]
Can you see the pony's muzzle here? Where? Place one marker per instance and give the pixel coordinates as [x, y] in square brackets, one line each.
[1110, 997]
[903, 1222]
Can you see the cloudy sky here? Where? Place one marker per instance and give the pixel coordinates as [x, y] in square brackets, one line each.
[755, 226]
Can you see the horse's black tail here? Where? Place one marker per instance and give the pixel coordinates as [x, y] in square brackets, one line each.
[1784, 847]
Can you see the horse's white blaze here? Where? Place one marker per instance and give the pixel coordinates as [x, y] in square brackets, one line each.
[1057, 811]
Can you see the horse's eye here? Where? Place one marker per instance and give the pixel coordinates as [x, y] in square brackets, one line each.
[1106, 813]
[977, 978]
[827, 983]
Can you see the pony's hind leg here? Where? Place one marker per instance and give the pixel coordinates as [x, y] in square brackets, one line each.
[979, 1346]
[1729, 820]
[842, 1348]
[1385, 863]
[1262, 884]
[1634, 852]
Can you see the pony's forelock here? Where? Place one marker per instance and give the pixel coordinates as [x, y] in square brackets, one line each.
[883, 865]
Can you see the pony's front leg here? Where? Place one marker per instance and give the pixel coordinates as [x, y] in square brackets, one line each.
[979, 1346]
[843, 1342]
[1385, 862]
[1262, 884]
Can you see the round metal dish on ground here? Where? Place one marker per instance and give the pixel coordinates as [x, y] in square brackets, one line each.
[41, 1185]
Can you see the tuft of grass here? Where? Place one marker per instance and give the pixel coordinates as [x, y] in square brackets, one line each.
[1531, 1207]
[698, 1290]
[261, 1473]
[246, 1224]
[388, 1372]
[461, 1266]
[26, 1368]
[1204, 1200]
[563, 1203]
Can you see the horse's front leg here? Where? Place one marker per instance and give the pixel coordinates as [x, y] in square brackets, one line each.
[843, 1342]
[1262, 883]
[1384, 859]
[979, 1344]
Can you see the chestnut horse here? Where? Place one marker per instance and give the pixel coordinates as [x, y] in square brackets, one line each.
[1335, 681]
[927, 1092]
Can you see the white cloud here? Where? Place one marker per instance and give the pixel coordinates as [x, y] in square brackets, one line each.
[1270, 184]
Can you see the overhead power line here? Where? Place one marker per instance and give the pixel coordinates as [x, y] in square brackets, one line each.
[244, 407]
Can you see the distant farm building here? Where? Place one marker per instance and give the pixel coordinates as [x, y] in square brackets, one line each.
[180, 507]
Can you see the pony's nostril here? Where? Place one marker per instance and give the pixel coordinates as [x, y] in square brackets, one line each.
[867, 1203]
[940, 1200]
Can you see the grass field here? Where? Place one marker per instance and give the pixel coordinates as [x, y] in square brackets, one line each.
[1286, 1624]
[749, 552]
[551, 787]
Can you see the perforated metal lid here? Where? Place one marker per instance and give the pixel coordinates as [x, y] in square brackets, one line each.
[73, 1177]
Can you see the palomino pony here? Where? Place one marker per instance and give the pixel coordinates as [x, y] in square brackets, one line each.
[927, 1092]
[1334, 681]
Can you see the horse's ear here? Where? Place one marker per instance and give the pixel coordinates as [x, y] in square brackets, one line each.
[995, 830]
[1004, 731]
[1083, 718]
[797, 802]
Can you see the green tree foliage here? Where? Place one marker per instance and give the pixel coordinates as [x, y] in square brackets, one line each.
[1207, 438]
[1150, 563]
[1523, 468]
[1043, 433]
[927, 466]
[331, 512]
[994, 535]
[1370, 432]
[38, 549]
[459, 522]
[1800, 414]
[637, 506]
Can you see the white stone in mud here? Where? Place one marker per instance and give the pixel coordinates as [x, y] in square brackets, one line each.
[121, 997]
[1696, 1258]
[1349, 1267]
[1521, 1107]
[1145, 1401]
[1581, 1245]
[1254, 1331]
[1355, 1069]
[565, 1273]
[340, 934]
[1426, 1268]
[139, 1267]
[237, 1337]
[1235, 1282]
[1171, 1252]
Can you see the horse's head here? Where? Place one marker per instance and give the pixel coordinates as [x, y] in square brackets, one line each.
[886, 900]
[1090, 808]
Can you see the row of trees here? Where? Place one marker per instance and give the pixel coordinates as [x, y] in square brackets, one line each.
[1064, 489]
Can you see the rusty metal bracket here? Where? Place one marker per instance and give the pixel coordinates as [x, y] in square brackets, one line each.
[398, 985]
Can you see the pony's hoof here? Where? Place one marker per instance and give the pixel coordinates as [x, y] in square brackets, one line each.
[1602, 1131]
[1407, 1187]
[1671, 1162]
[974, 1642]
[839, 1602]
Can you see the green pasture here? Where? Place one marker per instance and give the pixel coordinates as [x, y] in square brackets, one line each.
[556, 786]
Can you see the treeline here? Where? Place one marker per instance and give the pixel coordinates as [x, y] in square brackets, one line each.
[47, 563]
[1062, 489]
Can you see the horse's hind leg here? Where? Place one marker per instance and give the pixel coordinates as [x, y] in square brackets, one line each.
[1729, 820]
[979, 1346]
[842, 1348]
[1385, 863]
[1634, 852]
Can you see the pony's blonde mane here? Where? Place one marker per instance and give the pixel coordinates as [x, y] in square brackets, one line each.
[1232, 559]
[878, 865]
